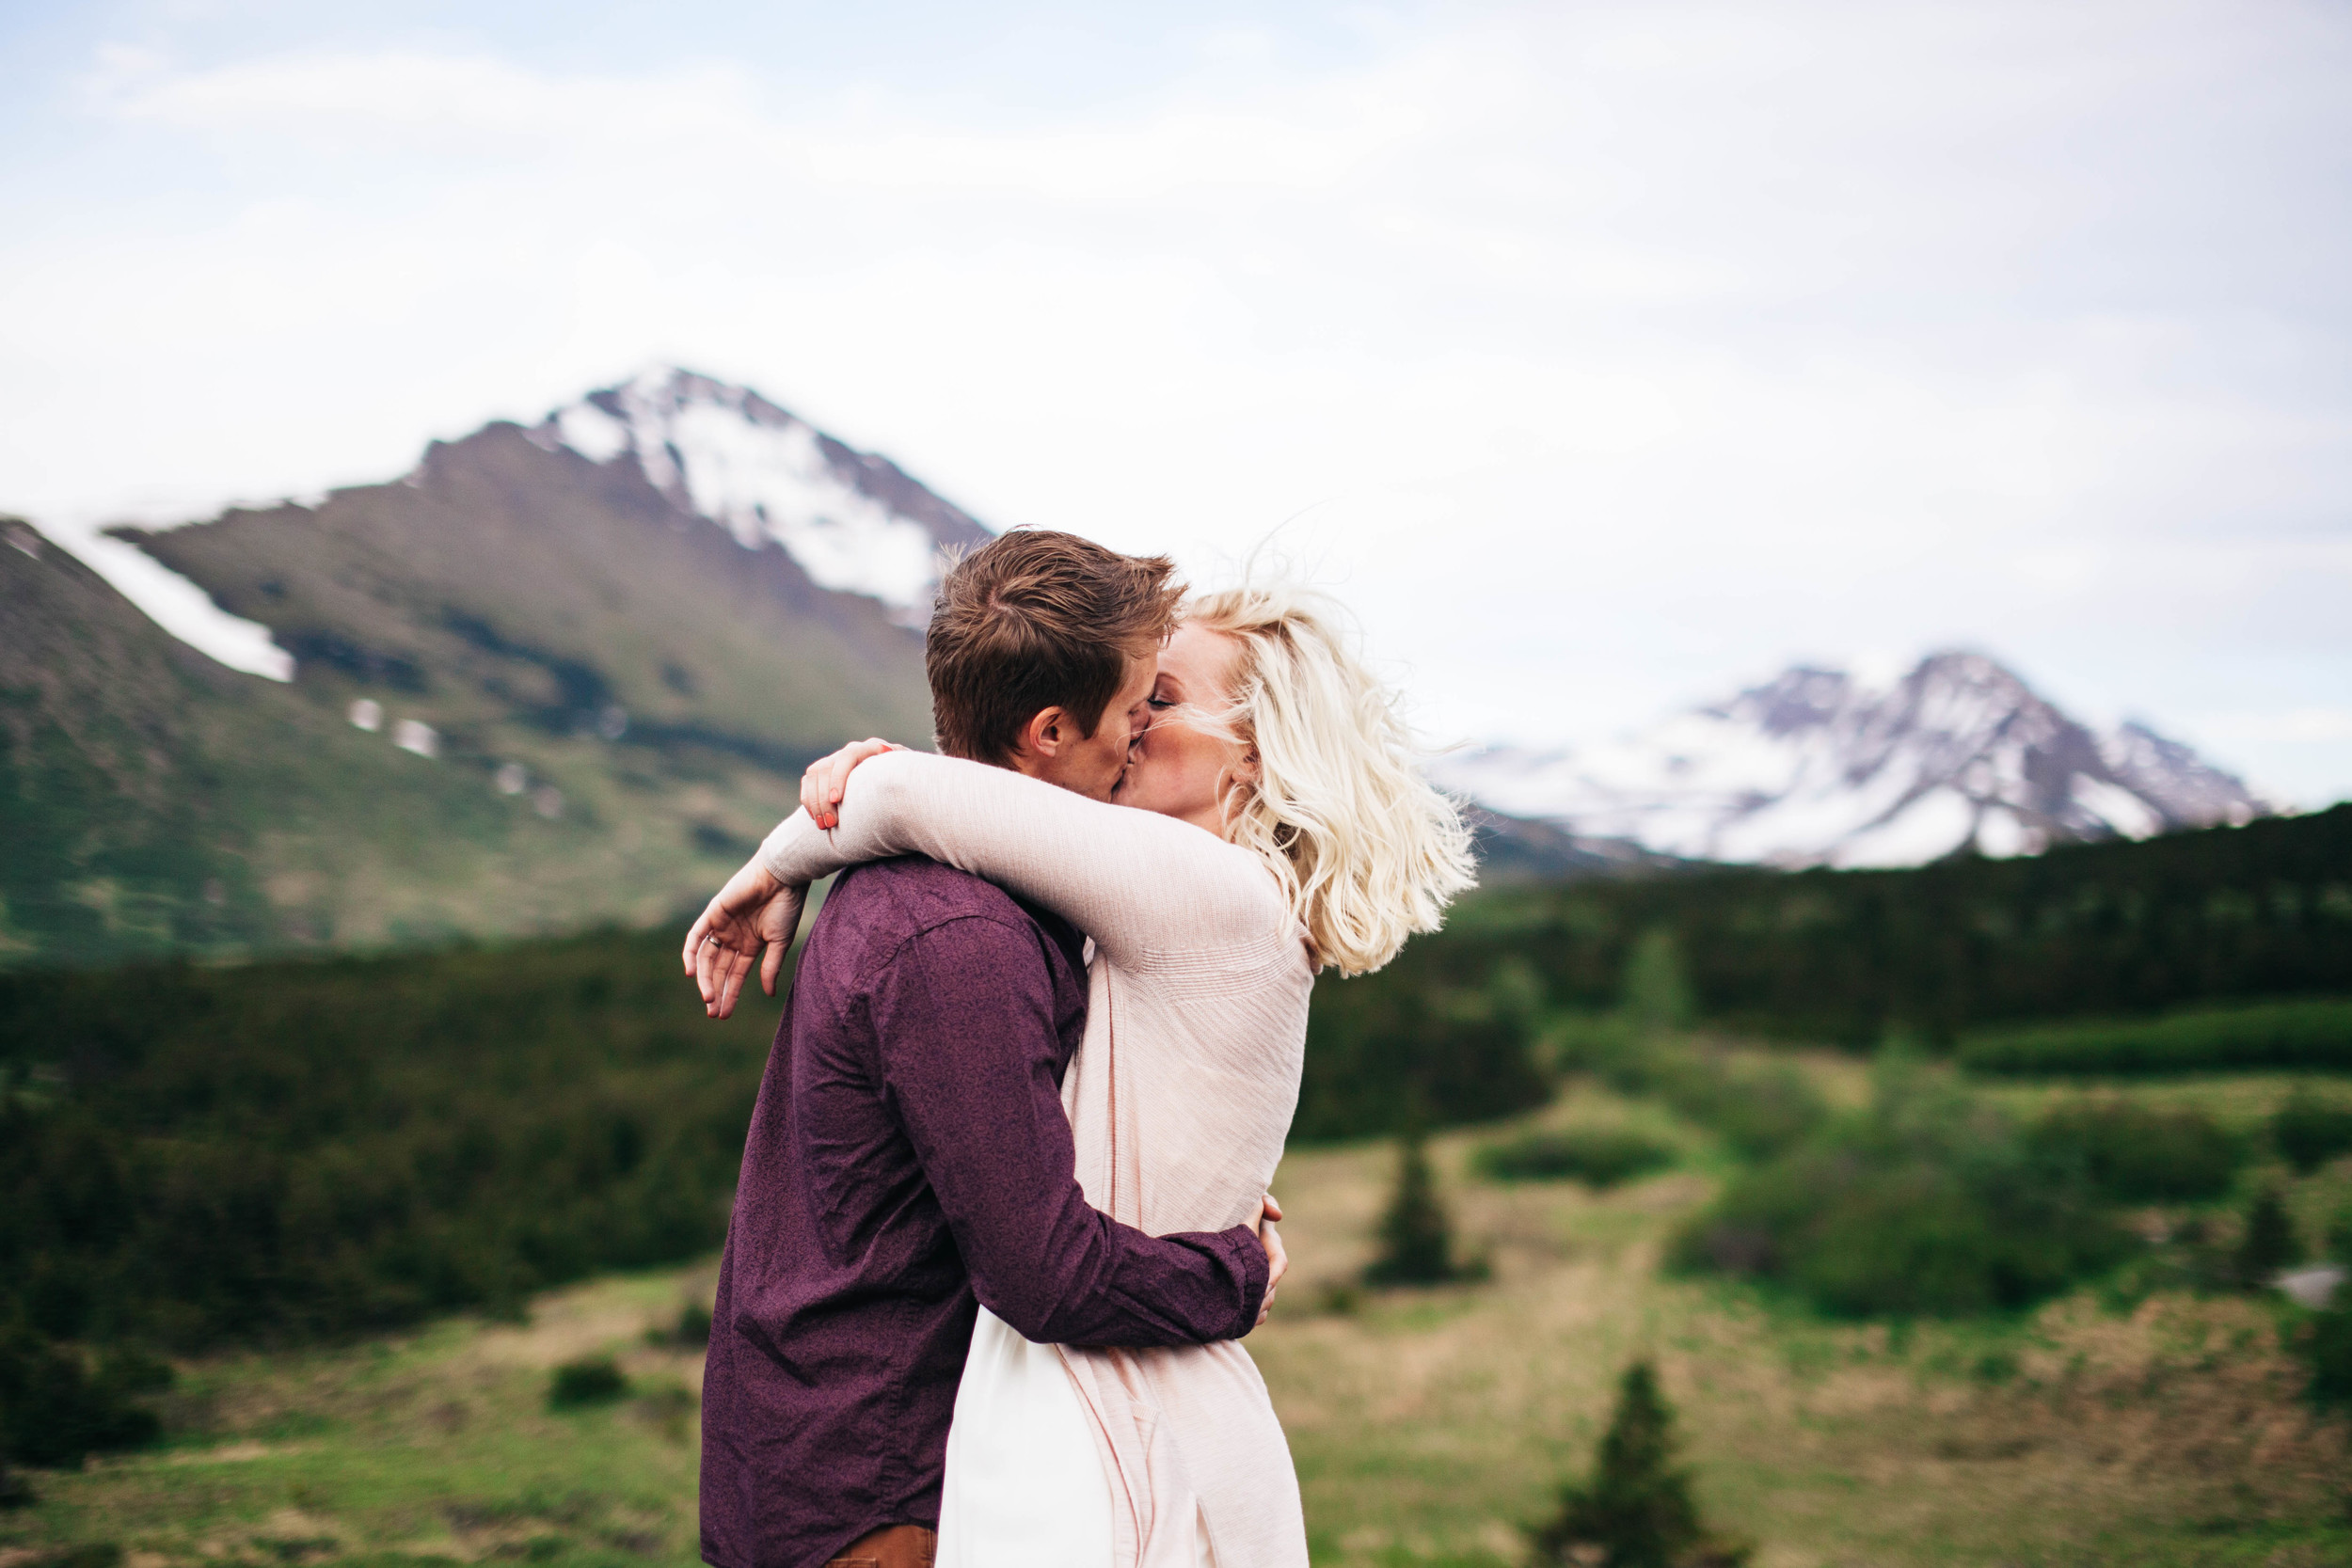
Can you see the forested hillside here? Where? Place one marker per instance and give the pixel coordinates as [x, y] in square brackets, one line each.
[305, 1149]
[2093, 930]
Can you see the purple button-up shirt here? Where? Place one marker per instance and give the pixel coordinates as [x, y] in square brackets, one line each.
[909, 1155]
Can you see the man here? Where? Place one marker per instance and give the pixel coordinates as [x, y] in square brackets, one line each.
[909, 1157]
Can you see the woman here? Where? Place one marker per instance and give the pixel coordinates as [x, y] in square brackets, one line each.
[1281, 829]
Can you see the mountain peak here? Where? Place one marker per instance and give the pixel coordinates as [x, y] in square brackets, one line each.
[1818, 766]
[854, 521]
[1797, 698]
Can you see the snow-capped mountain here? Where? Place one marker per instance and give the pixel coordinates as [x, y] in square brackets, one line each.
[855, 522]
[1821, 767]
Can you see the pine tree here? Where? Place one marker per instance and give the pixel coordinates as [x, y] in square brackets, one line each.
[1636, 1511]
[2270, 1244]
[1658, 997]
[1416, 1234]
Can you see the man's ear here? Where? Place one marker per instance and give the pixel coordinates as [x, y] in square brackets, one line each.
[1046, 733]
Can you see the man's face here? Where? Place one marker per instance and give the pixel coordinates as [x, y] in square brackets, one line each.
[1090, 765]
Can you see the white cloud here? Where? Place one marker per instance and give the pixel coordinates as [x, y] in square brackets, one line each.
[1602, 351]
[2303, 725]
[436, 101]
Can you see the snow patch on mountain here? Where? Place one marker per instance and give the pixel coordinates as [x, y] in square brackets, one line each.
[854, 521]
[172, 602]
[1825, 767]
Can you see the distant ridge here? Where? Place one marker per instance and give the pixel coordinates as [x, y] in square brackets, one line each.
[1516, 849]
[1818, 766]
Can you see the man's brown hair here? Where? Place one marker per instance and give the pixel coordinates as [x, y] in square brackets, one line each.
[1037, 620]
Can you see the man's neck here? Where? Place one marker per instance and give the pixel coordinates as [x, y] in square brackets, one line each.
[1030, 766]
[1019, 762]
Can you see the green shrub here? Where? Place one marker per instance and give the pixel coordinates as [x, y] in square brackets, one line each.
[89, 1554]
[1340, 1298]
[2262, 1035]
[1758, 1108]
[693, 1326]
[15, 1490]
[1930, 1201]
[1588, 1043]
[594, 1380]
[2324, 1341]
[2309, 1131]
[2336, 1240]
[1636, 1511]
[1601, 1156]
[2136, 1153]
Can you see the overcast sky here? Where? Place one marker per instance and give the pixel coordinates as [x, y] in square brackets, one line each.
[1604, 356]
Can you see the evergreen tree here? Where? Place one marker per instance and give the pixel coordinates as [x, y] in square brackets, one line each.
[2269, 1244]
[1416, 1234]
[1637, 1510]
[1657, 998]
[54, 1413]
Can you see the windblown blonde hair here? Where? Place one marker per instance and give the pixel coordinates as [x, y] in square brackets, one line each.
[1367, 852]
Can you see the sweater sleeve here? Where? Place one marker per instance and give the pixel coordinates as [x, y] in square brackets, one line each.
[1134, 880]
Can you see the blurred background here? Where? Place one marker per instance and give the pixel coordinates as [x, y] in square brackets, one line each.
[1854, 495]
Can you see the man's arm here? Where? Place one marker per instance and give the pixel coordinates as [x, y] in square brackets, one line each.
[965, 1018]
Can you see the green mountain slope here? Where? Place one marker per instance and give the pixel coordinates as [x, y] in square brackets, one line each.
[111, 799]
[502, 584]
[621, 697]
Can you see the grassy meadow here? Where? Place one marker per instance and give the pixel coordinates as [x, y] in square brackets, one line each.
[2107, 1426]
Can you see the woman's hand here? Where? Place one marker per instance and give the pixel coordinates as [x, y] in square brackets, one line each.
[827, 777]
[752, 920]
[1278, 1260]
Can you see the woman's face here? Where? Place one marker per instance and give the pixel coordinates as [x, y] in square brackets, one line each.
[1176, 769]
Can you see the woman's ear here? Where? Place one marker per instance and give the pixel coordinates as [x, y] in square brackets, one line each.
[1237, 783]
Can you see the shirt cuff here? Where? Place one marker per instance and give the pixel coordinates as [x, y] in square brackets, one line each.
[1245, 1256]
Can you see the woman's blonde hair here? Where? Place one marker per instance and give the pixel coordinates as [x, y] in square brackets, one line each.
[1367, 850]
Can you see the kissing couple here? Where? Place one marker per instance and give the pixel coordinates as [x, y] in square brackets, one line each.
[1003, 1217]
